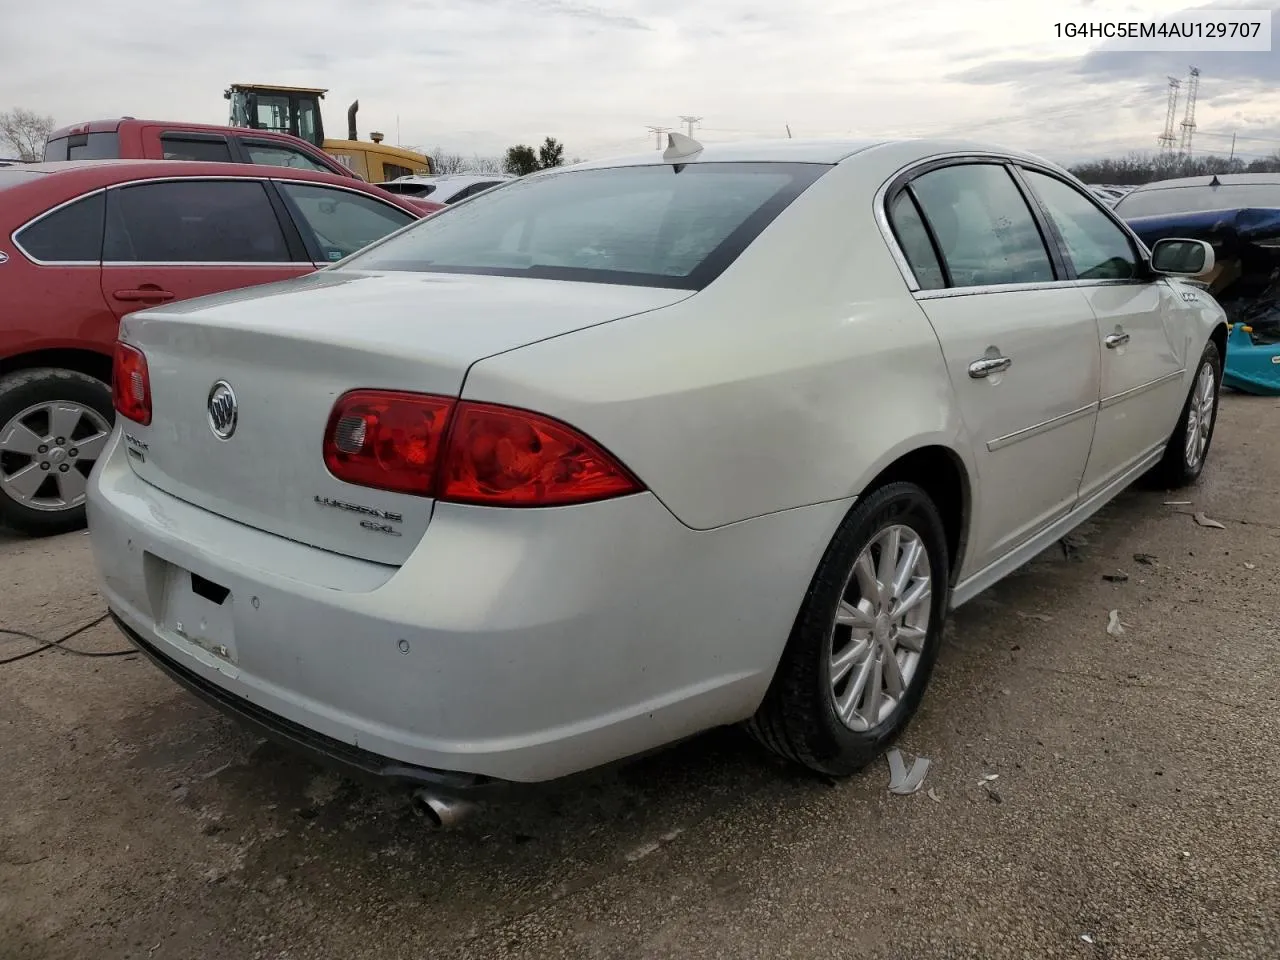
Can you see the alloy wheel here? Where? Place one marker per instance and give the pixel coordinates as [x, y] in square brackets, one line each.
[47, 452]
[1200, 416]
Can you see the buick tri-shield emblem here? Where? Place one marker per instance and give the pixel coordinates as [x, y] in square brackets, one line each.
[222, 410]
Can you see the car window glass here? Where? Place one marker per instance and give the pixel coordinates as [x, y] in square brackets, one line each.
[1197, 199]
[1096, 247]
[73, 233]
[984, 228]
[662, 225]
[194, 221]
[281, 156]
[391, 171]
[344, 221]
[913, 238]
[187, 148]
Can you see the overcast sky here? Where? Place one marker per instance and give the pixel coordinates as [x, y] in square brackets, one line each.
[479, 75]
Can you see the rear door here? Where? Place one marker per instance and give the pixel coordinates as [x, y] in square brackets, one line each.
[1018, 339]
[175, 239]
[336, 222]
[1142, 327]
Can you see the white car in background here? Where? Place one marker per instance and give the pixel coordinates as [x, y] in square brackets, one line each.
[445, 189]
[642, 447]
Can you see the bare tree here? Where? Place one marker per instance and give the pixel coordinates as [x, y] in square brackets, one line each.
[25, 131]
[443, 162]
[481, 164]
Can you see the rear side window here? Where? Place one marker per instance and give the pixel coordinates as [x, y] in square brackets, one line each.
[343, 221]
[281, 156]
[84, 146]
[674, 226]
[914, 240]
[193, 221]
[72, 234]
[984, 228]
[211, 150]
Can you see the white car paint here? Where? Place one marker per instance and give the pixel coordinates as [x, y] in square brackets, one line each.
[444, 188]
[526, 644]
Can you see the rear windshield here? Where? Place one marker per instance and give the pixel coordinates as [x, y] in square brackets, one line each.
[84, 146]
[1198, 199]
[658, 226]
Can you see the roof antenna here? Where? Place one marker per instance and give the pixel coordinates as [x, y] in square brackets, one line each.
[1215, 182]
[680, 147]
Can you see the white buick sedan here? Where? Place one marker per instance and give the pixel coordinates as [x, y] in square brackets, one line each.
[633, 449]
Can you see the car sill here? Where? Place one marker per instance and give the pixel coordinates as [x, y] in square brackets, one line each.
[967, 589]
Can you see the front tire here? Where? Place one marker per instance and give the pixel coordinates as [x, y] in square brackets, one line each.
[1188, 448]
[54, 425]
[864, 644]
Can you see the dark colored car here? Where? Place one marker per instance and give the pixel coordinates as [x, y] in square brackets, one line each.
[82, 243]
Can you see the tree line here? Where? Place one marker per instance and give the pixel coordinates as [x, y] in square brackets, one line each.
[1138, 168]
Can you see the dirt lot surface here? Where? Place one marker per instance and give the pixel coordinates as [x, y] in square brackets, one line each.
[1136, 811]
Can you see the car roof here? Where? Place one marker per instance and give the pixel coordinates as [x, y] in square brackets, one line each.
[77, 176]
[808, 151]
[1206, 180]
[107, 126]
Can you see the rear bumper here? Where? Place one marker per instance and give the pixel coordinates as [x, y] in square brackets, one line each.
[518, 645]
[324, 750]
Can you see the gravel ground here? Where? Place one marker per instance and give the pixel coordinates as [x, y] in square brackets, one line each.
[1135, 812]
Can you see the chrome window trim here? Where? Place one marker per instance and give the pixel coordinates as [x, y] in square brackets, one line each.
[881, 214]
[1026, 433]
[1132, 392]
[206, 263]
[985, 288]
[13, 237]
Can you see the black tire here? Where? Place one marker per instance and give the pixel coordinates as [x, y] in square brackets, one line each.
[798, 718]
[27, 388]
[1174, 470]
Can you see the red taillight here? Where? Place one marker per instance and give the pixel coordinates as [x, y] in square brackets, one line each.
[131, 384]
[507, 457]
[387, 440]
[467, 452]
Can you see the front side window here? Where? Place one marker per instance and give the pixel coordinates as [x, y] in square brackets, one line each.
[343, 221]
[212, 149]
[661, 225]
[193, 221]
[985, 230]
[1096, 247]
[280, 156]
[72, 234]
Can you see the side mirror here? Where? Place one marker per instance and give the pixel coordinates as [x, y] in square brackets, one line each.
[1182, 258]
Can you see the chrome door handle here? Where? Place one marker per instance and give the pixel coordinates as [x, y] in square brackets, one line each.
[1116, 340]
[988, 365]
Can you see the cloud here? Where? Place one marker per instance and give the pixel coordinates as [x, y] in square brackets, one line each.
[479, 75]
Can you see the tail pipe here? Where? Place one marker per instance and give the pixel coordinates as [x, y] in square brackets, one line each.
[442, 812]
[351, 120]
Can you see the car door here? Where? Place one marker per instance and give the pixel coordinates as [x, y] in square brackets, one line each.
[336, 222]
[1142, 324]
[174, 239]
[1019, 342]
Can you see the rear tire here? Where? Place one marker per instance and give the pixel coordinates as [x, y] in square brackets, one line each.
[819, 711]
[1188, 448]
[42, 480]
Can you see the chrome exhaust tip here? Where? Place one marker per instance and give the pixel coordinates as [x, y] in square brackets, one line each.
[443, 813]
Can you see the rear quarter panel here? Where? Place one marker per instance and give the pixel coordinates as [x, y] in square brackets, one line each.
[793, 379]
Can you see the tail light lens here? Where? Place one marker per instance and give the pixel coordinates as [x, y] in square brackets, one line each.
[467, 452]
[508, 457]
[131, 384]
[387, 440]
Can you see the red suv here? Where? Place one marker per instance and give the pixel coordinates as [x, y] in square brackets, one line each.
[128, 138]
[82, 243]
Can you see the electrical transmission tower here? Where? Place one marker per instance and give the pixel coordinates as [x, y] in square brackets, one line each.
[657, 135]
[689, 122]
[1167, 139]
[1189, 118]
